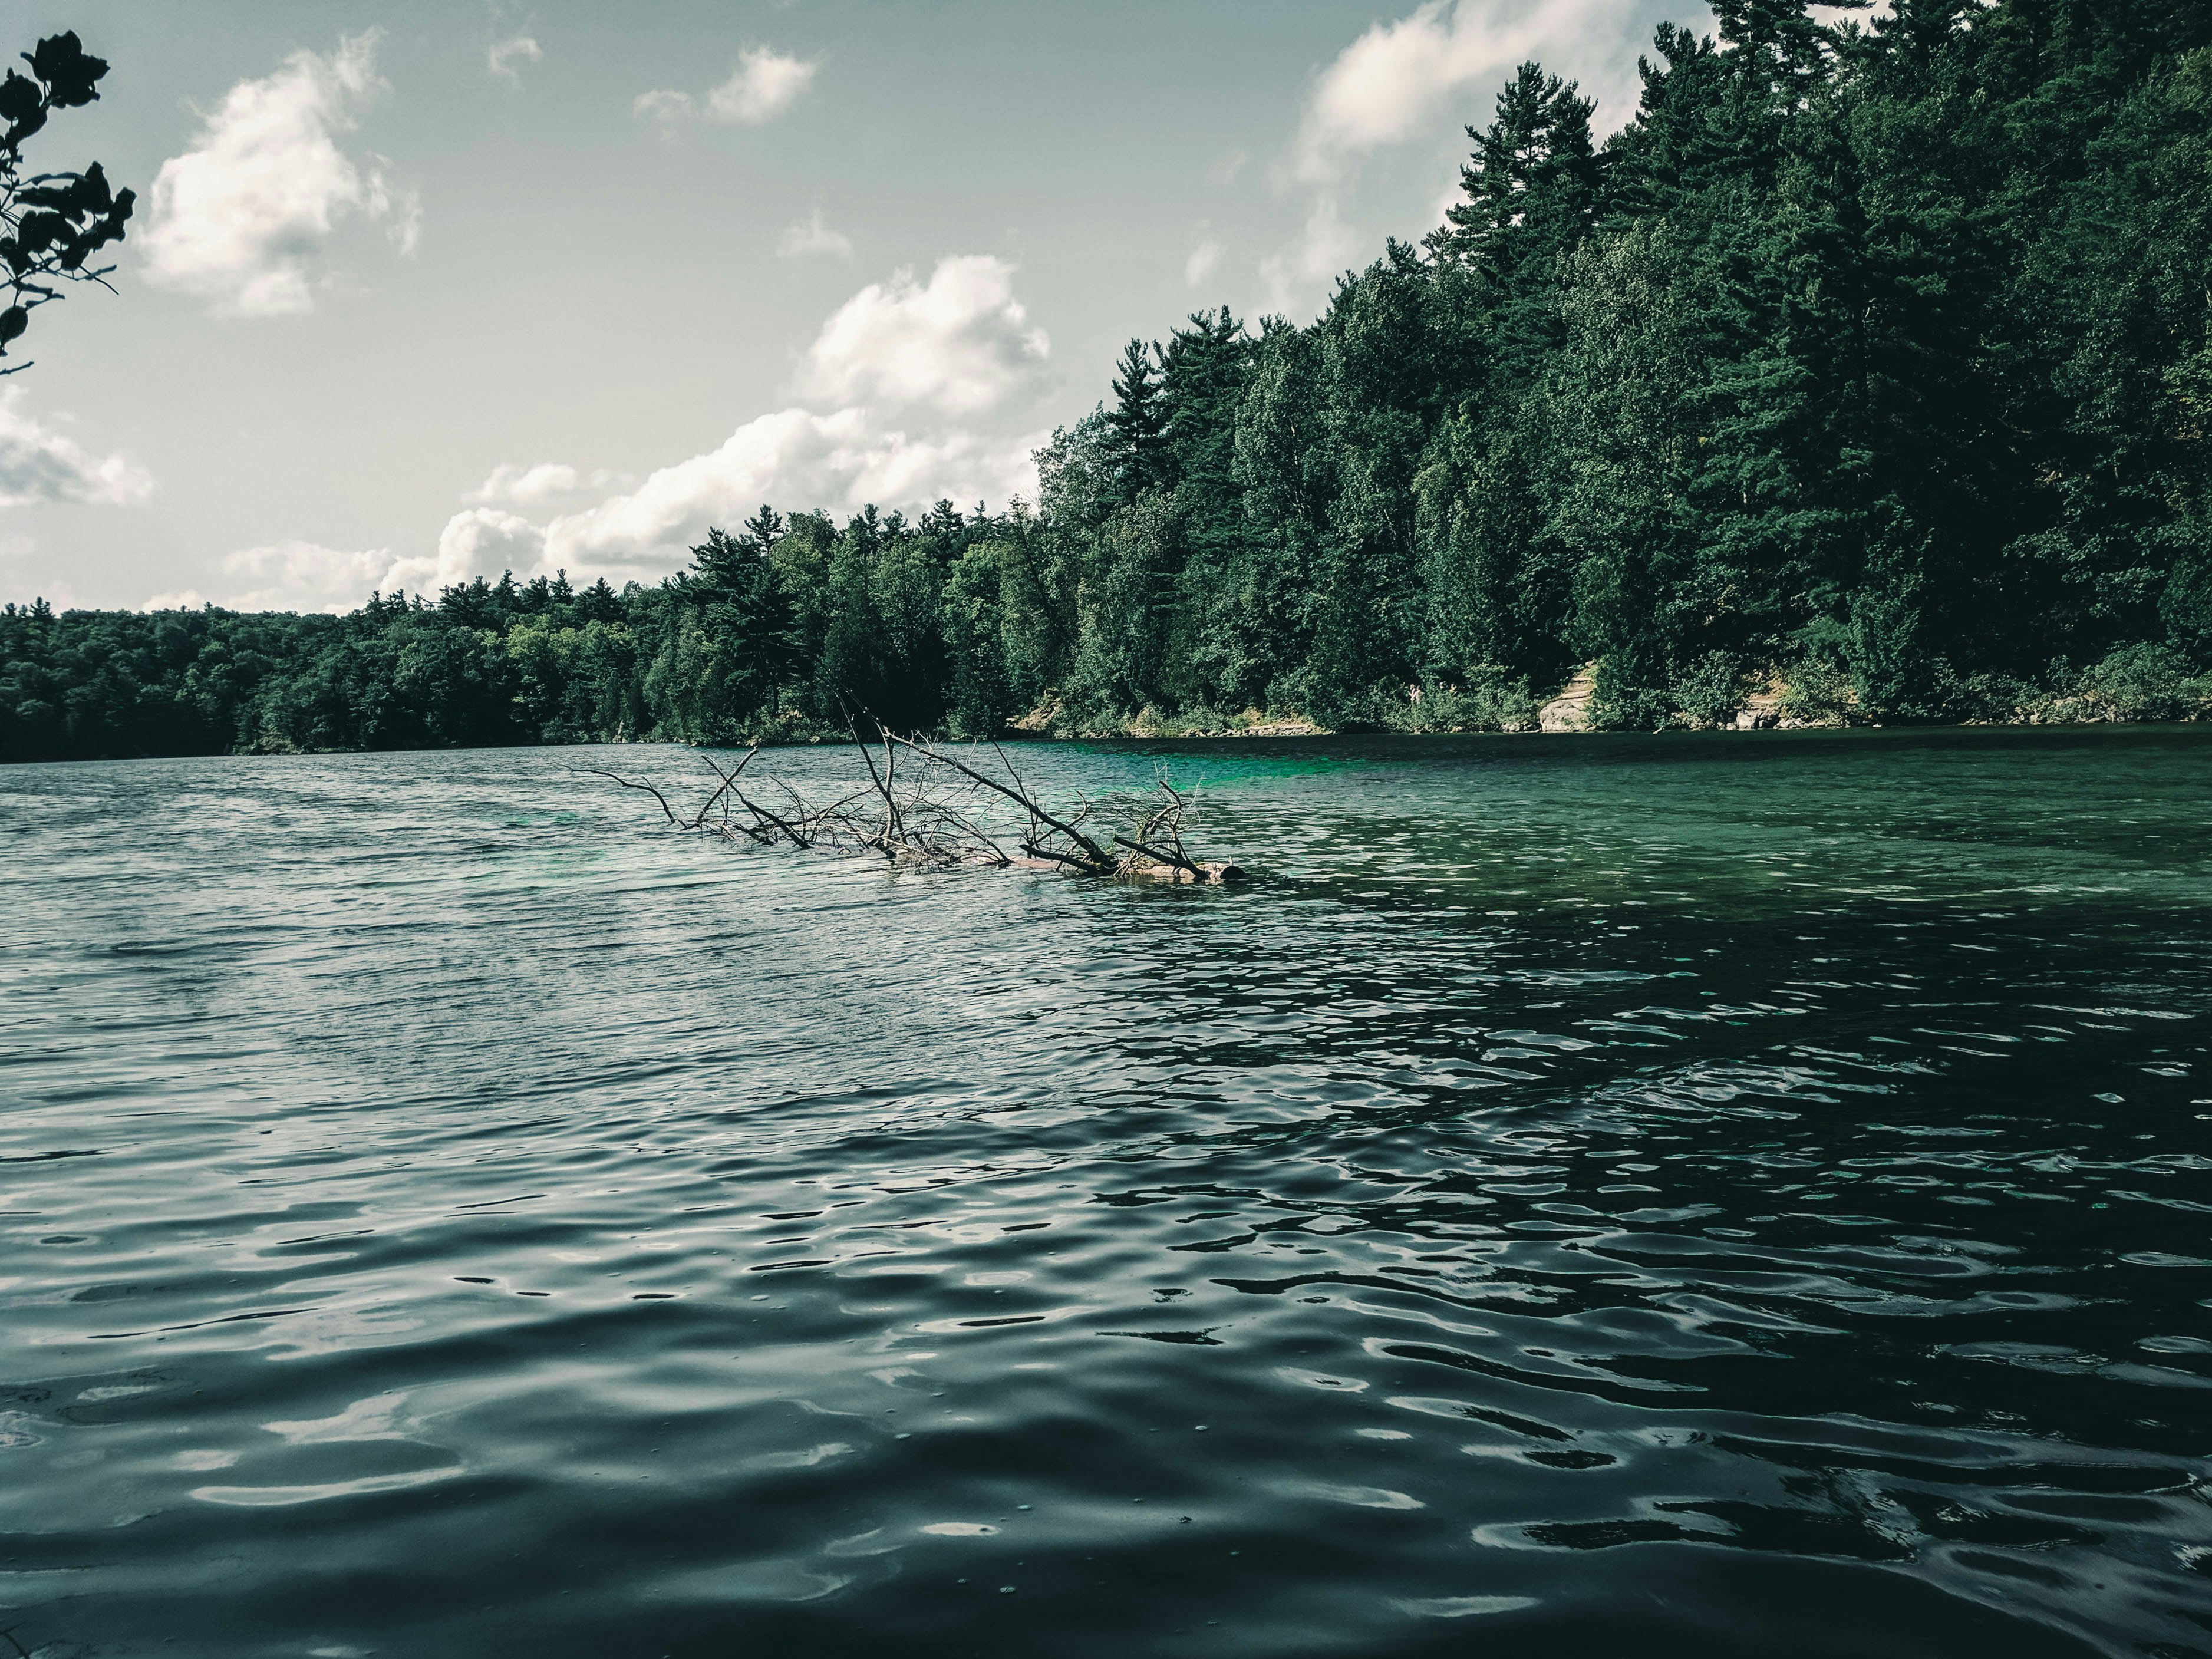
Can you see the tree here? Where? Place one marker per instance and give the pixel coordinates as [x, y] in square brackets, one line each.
[1874, 359]
[51, 224]
[1139, 421]
[1532, 190]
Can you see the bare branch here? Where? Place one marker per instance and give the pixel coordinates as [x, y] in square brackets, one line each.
[1020, 799]
[600, 771]
[929, 822]
[1158, 856]
[729, 782]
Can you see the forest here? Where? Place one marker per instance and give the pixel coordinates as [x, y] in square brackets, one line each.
[1867, 370]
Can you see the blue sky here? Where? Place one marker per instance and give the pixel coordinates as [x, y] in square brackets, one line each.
[422, 292]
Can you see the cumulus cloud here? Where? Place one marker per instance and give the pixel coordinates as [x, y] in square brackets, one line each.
[663, 105]
[302, 575]
[812, 234]
[960, 343]
[928, 382]
[1411, 79]
[843, 459]
[505, 59]
[1394, 81]
[481, 542]
[38, 464]
[1326, 247]
[924, 385]
[765, 83]
[539, 483]
[1205, 260]
[244, 218]
[297, 575]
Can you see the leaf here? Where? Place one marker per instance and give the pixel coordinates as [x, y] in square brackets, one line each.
[13, 322]
[39, 231]
[19, 100]
[69, 74]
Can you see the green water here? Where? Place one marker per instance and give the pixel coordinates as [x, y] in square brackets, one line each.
[1699, 1195]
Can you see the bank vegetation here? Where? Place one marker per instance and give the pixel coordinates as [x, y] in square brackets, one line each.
[1864, 375]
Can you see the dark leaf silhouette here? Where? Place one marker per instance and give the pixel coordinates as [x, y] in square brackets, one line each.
[55, 223]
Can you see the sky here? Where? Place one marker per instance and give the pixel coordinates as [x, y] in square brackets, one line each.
[416, 293]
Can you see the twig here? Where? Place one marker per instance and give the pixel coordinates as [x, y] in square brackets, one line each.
[601, 771]
[1096, 851]
[1153, 852]
[922, 823]
[729, 782]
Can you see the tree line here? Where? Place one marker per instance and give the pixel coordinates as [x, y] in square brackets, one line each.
[1869, 366]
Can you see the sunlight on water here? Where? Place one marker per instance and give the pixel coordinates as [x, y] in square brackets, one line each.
[1730, 1195]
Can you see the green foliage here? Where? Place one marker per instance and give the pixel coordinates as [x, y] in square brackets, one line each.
[1869, 364]
[2144, 682]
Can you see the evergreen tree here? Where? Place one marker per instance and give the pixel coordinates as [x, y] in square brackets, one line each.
[1875, 355]
[1139, 421]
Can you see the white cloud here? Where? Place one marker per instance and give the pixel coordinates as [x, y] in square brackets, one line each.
[505, 57]
[1393, 83]
[842, 460]
[1205, 260]
[921, 385]
[927, 378]
[947, 359]
[962, 343]
[481, 542]
[242, 220]
[539, 483]
[1326, 247]
[38, 464]
[765, 83]
[1422, 78]
[662, 105]
[812, 234]
[297, 575]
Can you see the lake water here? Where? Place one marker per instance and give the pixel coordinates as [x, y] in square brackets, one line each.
[1687, 1195]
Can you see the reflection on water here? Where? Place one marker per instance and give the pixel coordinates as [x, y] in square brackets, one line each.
[1705, 1196]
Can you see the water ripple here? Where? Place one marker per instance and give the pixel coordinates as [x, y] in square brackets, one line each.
[1724, 1196]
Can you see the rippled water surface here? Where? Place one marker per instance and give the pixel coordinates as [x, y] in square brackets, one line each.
[1744, 1195]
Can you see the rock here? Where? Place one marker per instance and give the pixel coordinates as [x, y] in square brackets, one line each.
[1762, 710]
[1570, 710]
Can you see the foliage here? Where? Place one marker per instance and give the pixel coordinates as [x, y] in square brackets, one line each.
[51, 224]
[1867, 368]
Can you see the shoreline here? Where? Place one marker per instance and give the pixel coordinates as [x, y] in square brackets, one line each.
[1278, 731]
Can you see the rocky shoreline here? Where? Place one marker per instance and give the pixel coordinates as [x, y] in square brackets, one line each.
[2129, 689]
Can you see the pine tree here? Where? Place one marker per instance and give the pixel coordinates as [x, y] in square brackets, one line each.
[1139, 421]
[1533, 188]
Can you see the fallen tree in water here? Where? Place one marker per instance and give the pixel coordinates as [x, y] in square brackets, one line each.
[924, 807]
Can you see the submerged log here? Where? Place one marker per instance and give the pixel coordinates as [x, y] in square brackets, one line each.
[926, 814]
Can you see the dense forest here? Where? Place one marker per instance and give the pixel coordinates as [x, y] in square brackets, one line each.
[1867, 369]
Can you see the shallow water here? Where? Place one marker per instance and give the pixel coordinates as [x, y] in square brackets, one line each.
[1706, 1196]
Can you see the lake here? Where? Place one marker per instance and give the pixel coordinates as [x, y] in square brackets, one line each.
[1727, 1195]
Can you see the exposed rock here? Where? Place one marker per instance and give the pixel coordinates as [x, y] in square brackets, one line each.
[1040, 719]
[1762, 710]
[1570, 710]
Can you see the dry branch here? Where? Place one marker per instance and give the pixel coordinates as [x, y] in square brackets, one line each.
[922, 816]
[666, 810]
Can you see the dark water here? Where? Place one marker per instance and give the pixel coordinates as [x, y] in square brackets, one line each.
[1731, 1196]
